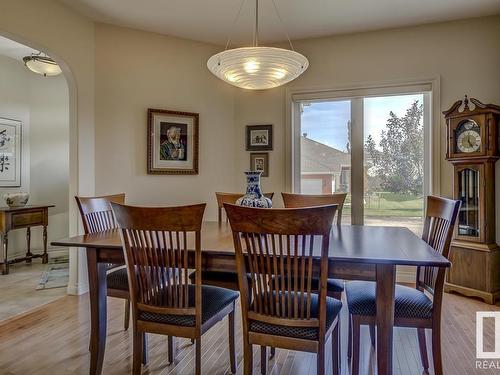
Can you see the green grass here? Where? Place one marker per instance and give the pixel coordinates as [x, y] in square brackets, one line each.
[391, 204]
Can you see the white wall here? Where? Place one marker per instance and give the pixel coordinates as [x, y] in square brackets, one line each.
[68, 37]
[43, 107]
[138, 70]
[14, 104]
[464, 54]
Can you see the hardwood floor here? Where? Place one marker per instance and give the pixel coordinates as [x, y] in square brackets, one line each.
[54, 340]
[18, 292]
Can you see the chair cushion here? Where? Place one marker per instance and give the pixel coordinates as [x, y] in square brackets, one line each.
[333, 308]
[332, 285]
[229, 277]
[117, 279]
[408, 302]
[213, 300]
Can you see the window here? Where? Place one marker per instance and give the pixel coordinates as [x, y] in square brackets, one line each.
[375, 147]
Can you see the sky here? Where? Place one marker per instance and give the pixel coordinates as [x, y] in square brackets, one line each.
[326, 122]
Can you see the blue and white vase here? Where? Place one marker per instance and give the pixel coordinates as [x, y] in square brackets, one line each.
[253, 196]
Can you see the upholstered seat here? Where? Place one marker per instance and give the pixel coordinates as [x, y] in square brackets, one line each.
[332, 285]
[409, 303]
[333, 308]
[208, 276]
[117, 279]
[214, 299]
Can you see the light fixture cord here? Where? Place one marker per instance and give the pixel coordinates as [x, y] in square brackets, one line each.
[234, 24]
[256, 28]
[282, 24]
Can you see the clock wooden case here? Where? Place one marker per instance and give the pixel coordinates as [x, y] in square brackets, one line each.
[473, 149]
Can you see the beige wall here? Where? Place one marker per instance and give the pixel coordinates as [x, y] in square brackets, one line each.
[464, 54]
[68, 37]
[166, 72]
[42, 106]
[137, 70]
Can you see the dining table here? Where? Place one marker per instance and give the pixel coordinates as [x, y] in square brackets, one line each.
[356, 252]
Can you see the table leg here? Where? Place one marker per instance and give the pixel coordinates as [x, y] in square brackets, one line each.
[5, 243]
[28, 245]
[45, 257]
[97, 295]
[386, 279]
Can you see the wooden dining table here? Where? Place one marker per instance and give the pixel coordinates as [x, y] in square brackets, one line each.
[356, 253]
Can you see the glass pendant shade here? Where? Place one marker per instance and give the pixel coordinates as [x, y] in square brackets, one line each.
[257, 68]
[42, 65]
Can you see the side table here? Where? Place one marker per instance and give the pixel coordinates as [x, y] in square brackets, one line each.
[20, 218]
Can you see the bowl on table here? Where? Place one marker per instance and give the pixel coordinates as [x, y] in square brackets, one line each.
[16, 199]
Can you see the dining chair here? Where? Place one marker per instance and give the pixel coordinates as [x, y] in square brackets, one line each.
[224, 279]
[97, 216]
[158, 242]
[271, 245]
[413, 307]
[335, 287]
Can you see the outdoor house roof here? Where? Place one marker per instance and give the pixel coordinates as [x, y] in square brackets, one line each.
[317, 157]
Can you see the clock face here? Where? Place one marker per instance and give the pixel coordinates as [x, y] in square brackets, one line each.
[468, 137]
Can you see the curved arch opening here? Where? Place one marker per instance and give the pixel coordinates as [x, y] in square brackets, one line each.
[45, 109]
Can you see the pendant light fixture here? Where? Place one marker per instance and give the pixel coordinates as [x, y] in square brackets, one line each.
[256, 67]
[42, 64]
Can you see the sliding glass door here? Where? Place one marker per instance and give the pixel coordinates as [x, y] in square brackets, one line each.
[373, 147]
[325, 150]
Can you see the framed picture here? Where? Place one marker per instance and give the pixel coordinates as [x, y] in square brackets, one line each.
[259, 161]
[10, 152]
[259, 137]
[172, 142]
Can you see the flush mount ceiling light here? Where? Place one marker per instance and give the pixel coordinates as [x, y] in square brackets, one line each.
[257, 68]
[42, 64]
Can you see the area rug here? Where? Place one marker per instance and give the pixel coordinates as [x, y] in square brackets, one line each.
[56, 276]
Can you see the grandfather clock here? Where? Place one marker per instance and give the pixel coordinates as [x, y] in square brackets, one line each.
[473, 148]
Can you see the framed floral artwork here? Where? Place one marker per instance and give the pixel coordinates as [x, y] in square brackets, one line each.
[172, 142]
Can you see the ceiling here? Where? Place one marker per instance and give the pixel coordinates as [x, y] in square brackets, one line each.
[13, 49]
[211, 20]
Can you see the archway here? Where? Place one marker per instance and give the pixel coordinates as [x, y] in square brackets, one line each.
[77, 271]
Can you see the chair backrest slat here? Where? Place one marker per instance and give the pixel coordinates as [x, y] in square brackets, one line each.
[96, 212]
[276, 249]
[231, 198]
[440, 218]
[156, 242]
[306, 200]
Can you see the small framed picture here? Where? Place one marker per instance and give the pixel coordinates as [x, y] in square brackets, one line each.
[259, 161]
[172, 142]
[10, 152]
[259, 137]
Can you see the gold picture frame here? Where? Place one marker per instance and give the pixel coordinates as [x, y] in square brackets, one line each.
[172, 142]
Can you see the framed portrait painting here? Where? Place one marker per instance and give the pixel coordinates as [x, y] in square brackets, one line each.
[259, 161]
[10, 152]
[259, 137]
[172, 142]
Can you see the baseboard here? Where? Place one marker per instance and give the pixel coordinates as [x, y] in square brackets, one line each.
[406, 275]
[77, 289]
[54, 252]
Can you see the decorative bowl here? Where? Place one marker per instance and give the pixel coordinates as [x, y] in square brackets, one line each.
[16, 199]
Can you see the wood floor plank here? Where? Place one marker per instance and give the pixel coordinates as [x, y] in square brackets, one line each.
[54, 340]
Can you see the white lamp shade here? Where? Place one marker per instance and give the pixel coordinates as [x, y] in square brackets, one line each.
[42, 65]
[257, 68]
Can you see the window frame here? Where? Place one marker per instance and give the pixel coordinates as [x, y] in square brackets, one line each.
[432, 117]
